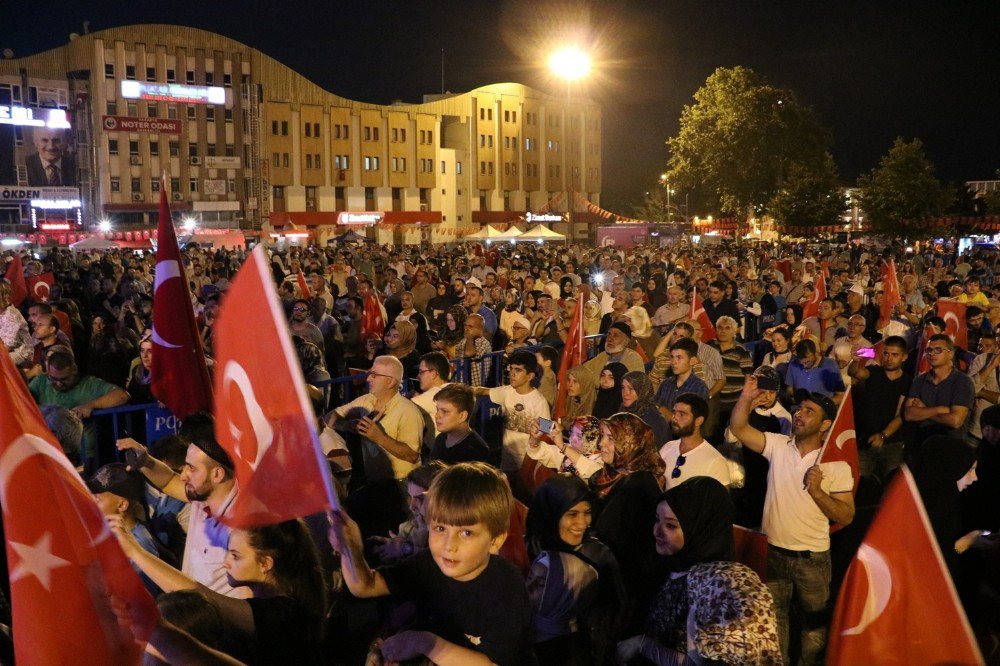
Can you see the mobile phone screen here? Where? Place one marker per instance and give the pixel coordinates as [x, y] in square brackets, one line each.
[545, 425]
[865, 352]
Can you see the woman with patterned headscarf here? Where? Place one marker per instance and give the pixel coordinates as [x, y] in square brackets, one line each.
[510, 312]
[454, 330]
[401, 342]
[581, 456]
[580, 393]
[628, 488]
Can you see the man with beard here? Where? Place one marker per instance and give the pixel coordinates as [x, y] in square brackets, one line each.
[616, 350]
[206, 481]
[691, 455]
[300, 324]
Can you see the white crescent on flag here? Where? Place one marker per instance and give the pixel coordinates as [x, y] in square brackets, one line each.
[262, 430]
[879, 588]
[951, 316]
[165, 270]
[844, 437]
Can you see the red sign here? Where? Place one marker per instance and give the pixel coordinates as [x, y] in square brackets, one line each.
[141, 125]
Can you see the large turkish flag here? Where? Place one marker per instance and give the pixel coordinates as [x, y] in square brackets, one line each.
[69, 579]
[40, 286]
[955, 325]
[15, 275]
[897, 604]
[263, 417]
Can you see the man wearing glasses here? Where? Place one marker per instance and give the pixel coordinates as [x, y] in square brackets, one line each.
[300, 325]
[939, 400]
[690, 455]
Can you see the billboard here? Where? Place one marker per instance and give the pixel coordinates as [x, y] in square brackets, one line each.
[173, 92]
[36, 148]
[141, 125]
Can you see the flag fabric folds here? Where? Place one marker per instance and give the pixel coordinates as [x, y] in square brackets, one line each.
[811, 307]
[15, 275]
[574, 353]
[179, 373]
[303, 285]
[890, 292]
[69, 578]
[263, 418]
[699, 315]
[372, 323]
[897, 604]
[40, 286]
[955, 325]
[841, 442]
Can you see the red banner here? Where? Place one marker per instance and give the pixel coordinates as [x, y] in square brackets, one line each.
[897, 604]
[263, 417]
[69, 579]
[15, 275]
[890, 292]
[372, 323]
[575, 351]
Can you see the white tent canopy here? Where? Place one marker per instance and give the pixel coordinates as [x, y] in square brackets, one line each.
[94, 243]
[486, 232]
[540, 233]
[511, 234]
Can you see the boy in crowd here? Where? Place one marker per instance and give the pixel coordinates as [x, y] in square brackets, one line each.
[547, 358]
[456, 441]
[471, 606]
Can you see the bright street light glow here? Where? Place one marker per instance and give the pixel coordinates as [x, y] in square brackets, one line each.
[189, 223]
[104, 226]
[570, 63]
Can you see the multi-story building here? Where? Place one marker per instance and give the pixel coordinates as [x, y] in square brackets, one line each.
[242, 141]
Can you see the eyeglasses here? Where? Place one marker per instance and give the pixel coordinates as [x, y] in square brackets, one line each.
[300, 309]
[379, 374]
[677, 467]
[937, 350]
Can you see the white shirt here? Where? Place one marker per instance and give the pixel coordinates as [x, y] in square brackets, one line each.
[792, 519]
[425, 401]
[205, 548]
[520, 412]
[702, 460]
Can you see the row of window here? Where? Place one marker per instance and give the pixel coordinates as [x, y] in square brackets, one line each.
[211, 149]
[154, 184]
[510, 116]
[314, 161]
[152, 111]
[399, 135]
[312, 130]
[189, 75]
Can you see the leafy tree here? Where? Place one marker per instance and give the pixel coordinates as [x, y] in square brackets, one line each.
[809, 196]
[993, 199]
[741, 139]
[901, 194]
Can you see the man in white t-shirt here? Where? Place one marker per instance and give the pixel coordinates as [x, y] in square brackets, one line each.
[433, 374]
[522, 406]
[691, 455]
[802, 499]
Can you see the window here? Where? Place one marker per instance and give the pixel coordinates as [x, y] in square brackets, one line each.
[308, 127]
[482, 114]
[191, 112]
[513, 116]
[458, 168]
[506, 168]
[347, 134]
[136, 185]
[133, 148]
[482, 140]
[336, 131]
[336, 162]
[309, 161]
[210, 150]
[189, 76]
[402, 134]
[230, 150]
[284, 128]
[368, 133]
[316, 130]
[442, 166]
[193, 185]
[489, 114]
[192, 148]
[229, 115]
[175, 184]
[227, 80]
[132, 109]
[174, 148]
[482, 168]
[154, 184]
[210, 114]
[150, 73]
[209, 78]
[112, 108]
[109, 73]
[489, 141]
[130, 72]
[374, 134]
[171, 112]
[276, 160]
[374, 164]
[112, 146]
[402, 163]
[154, 148]
[231, 185]
[274, 127]
[506, 116]
[345, 163]
[116, 184]
[368, 163]
[151, 110]
[279, 192]
[513, 168]
[318, 161]
[430, 136]
[395, 134]
[284, 160]
[395, 164]
[171, 76]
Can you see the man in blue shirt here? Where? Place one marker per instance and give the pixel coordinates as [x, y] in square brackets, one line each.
[682, 379]
[813, 373]
[474, 304]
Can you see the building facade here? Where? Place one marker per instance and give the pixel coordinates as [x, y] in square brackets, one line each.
[241, 141]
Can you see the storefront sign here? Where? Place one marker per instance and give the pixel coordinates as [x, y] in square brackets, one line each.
[19, 115]
[224, 162]
[543, 217]
[360, 218]
[141, 125]
[16, 193]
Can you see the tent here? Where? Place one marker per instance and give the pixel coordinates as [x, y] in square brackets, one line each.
[351, 236]
[540, 234]
[484, 233]
[512, 234]
[94, 243]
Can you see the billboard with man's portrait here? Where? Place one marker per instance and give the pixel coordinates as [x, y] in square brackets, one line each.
[36, 150]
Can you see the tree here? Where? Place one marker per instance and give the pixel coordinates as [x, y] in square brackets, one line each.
[741, 138]
[809, 196]
[993, 199]
[654, 205]
[901, 194]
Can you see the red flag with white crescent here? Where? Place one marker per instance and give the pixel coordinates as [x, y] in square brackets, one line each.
[897, 604]
[15, 276]
[955, 326]
[841, 442]
[699, 315]
[890, 292]
[179, 373]
[263, 417]
[575, 351]
[372, 323]
[40, 286]
[811, 307]
[75, 597]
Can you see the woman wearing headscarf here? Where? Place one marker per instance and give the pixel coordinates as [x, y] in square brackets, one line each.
[575, 584]
[511, 311]
[439, 305]
[580, 456]
[642, 329]
[710, 609]
[637, 398]
[313, 371]
[401, 342]
[566, 286]
[627, 489]
[609, 390]
[580, 393]
[656, 292]
[393, 303]
[454, 330]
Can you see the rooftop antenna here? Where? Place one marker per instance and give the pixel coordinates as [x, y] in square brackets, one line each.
[442, 71]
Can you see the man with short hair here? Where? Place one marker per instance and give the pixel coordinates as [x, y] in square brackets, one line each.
[813, 373]
[691, 455]
[423, 291]
[823, 326]
[673, 310]
[300, 325]
[717, 305]
[803, 498]
[682, 379]
[433, 373]
[985, 373]
[474, 304]
[939, 400]
[46, 335]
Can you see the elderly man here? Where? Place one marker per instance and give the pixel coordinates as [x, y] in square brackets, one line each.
[616, 350]
[855, 334]
[673, 310]
[51, 165]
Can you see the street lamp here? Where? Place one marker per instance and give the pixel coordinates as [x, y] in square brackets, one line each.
[569, 63]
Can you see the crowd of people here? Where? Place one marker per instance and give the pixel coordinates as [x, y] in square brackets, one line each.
[603, 536]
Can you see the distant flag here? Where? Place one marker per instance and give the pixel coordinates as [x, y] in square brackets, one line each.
[264, 419]
[303, 285]
[811, 307]
[699, 315]
[890, 292]
[179, 373]
[372, 323]
[784, 266]
[575, 351]
[897, 604]
[15, 276]
[69, 579]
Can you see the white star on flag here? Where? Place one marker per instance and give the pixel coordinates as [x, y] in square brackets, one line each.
[37, 561]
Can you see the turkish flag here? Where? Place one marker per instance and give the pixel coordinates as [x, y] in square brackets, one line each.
[69, 579]
[15, 275]
[897, 604]
[40, 286]
[890, 292]
[372, 323]
[303, 285]
[575, 351]
[811, 307]
[842, 443]
[699, 315]
[785, 267]
[923, 363]
[955, 326]
[751, 550]
[179, 374]
[263, 417]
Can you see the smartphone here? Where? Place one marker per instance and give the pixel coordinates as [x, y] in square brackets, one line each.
[986, 533]
[865, 352]
[132, 459]
[546, 425]
[766, 383]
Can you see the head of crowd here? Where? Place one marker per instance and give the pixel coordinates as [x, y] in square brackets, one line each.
[508, 507]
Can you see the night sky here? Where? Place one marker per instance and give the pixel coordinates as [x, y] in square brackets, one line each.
[872, 70]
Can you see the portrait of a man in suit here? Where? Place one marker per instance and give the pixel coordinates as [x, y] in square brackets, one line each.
[53, 165]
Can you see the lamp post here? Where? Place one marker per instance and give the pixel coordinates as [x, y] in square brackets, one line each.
[569, 63]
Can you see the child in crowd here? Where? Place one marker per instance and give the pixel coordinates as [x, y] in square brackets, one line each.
[547, 358]
[412, 534]
[457, 441]
[471, 606]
